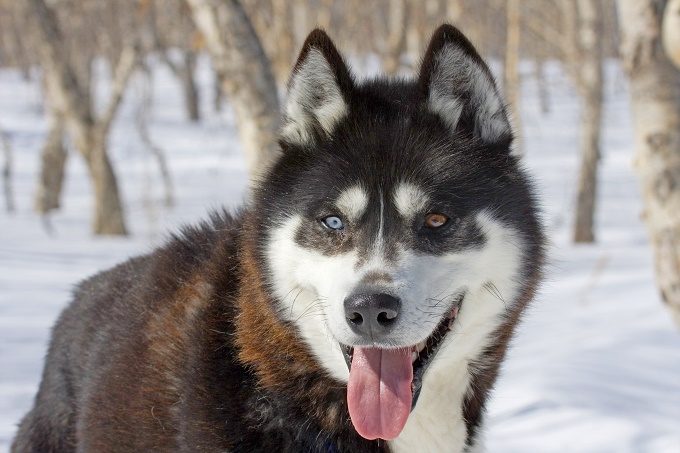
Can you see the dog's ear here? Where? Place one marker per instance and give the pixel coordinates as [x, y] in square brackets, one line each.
[319, 92]
[458, 86]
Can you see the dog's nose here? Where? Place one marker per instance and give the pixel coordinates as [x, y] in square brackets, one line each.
[371, 315]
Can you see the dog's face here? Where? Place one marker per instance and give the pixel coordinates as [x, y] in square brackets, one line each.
[394, 226]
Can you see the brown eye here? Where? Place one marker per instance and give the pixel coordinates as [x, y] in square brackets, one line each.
[435, 220]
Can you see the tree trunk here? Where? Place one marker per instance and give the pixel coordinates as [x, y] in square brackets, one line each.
[300, 22]
[52, 163]
[246, 75]
[142, 121]
[7, 171]
[417, 32]
[454, 11]
[542, 83]
[589, 74]
[512, 81]
[396, 39]
[108, 217]
[655, 98]
[218, 95]
[186, 76]
[184, 71]
[184, 67]
[22, 51]
[671, 31]
[284, 55]
[68, 96]
[324, 14]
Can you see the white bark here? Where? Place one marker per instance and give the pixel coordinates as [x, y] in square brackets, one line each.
[246, 77]
[655, 96]
[324, 14]
[671, 31]
[396, 39]
[301, 21]
[454, 11]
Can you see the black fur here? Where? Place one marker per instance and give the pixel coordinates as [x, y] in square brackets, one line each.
[149, 356]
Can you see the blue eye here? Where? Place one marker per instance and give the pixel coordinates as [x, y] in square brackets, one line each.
[333, 222]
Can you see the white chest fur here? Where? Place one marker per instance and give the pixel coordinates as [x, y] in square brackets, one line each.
[436, 425]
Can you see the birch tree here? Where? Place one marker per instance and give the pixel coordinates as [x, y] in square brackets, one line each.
[655, 99]
[88, 130]
[671, 31]
[246, 75]
[273, 24]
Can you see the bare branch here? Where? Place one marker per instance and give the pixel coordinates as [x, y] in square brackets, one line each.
[563, 42]
[548, 34]
[142, 122]
[127, 63]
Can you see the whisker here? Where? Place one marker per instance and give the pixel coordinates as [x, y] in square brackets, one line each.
[494, 291]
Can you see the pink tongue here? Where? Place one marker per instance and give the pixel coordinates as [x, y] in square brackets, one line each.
[379, 391]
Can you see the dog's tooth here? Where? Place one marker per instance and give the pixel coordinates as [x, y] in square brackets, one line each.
[414, 356]
[421, 345]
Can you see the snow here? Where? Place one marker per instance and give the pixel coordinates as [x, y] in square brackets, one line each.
[595, 366]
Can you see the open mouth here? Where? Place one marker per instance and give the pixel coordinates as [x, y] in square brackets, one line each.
[421, 354]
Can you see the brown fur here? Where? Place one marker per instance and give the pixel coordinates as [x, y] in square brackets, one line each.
[279, 358]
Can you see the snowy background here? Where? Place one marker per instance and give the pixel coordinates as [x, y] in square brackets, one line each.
[595, 367]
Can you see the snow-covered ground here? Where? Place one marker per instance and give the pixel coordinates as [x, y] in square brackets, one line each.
[595, 367]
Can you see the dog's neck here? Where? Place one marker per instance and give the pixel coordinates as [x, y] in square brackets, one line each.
[272, 349]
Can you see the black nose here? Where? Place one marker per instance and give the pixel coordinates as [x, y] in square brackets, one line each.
[371, 315]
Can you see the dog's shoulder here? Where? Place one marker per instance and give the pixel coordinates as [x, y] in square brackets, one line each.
[208, 248]
[134, 338]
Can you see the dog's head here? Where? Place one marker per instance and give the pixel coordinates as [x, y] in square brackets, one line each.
[396, 220]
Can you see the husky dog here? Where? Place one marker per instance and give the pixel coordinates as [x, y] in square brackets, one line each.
[362, 300]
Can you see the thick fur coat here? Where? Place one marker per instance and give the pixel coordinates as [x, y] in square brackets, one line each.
[233, 336]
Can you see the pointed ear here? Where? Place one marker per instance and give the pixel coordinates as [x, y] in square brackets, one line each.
[459, 87]
[319, 92]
